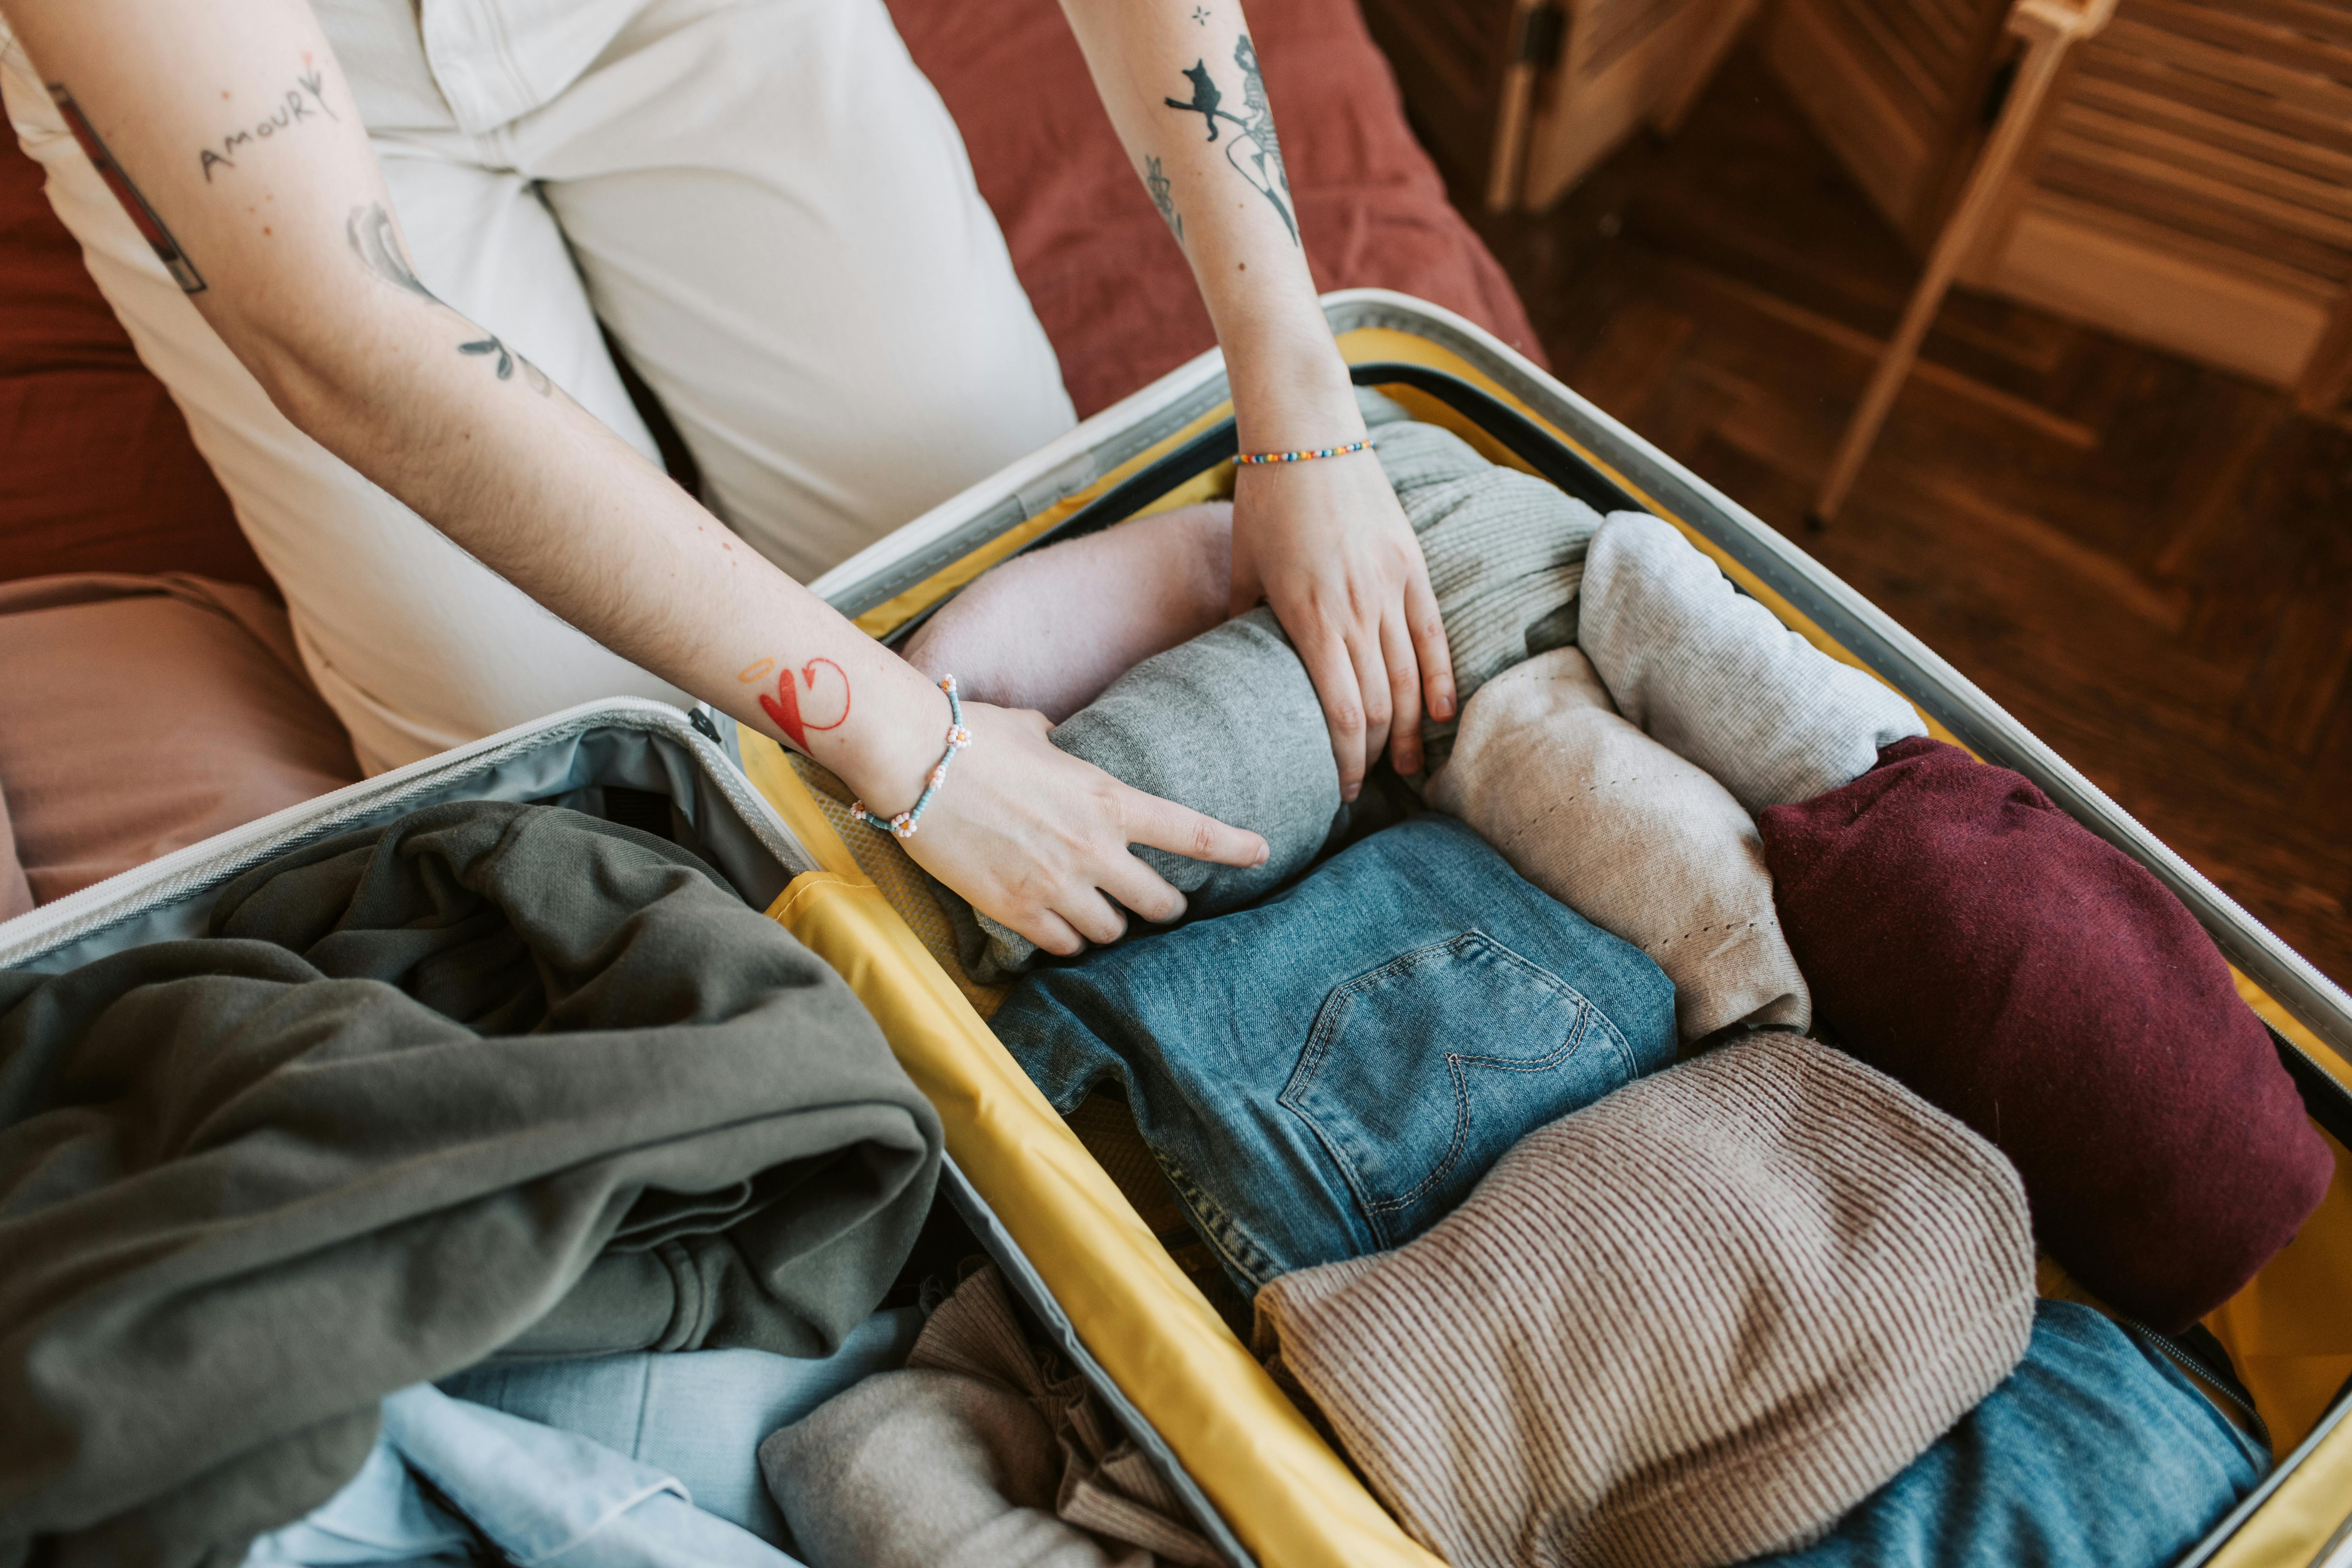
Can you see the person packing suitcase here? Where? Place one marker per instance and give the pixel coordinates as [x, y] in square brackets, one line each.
[370, 245]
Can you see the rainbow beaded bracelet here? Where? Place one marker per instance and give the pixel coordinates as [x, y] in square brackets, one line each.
[1366, 444]
[903, 825]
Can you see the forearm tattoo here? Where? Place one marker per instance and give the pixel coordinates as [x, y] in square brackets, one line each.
[377, 244]
[785, 707]
[1251, 148]
[1155, 180]
[150, 228]
[305, 99]
[374, 241]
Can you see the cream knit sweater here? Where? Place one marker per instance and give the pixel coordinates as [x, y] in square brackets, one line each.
[1643, 844]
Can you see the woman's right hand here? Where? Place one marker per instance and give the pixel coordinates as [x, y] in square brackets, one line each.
[1035, 838]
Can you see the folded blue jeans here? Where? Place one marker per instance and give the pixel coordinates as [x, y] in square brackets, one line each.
[1328, 1073]
[2096, 1453]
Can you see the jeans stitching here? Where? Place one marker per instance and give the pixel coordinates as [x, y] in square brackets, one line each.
[1454, 1061]
[1233, 1245]
[1324, 1029]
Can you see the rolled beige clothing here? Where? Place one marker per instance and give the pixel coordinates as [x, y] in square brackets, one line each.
[1713, 676]
[1643, 844]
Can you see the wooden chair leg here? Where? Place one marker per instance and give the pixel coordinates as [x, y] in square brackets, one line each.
[2047, 30]
[1513, 114]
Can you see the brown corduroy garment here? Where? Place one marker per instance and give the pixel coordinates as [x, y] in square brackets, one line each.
[1690, 1324]
[1638, 841]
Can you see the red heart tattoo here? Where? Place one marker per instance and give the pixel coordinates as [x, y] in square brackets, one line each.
[784, 707]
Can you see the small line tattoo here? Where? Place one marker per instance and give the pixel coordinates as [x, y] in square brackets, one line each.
[150, 228]
[1252, 149]
[1201, 15]
[490, 345]
[377, 244]
[1155, 180]
[309, 81]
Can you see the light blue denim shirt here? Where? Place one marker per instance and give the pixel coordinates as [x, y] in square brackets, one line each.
[447, 1474]
[699, 1415]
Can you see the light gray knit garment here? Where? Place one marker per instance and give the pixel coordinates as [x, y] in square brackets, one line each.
[1505, 549]
[1108, 1486]
[926, 1470]
[1690, 1324]
[984, 1452]
[1229, 723]
[1713, 676]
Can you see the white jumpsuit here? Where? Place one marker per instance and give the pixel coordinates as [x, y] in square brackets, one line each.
[763, 201]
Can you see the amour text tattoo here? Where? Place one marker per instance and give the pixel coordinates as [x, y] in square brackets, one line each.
[784, 707]
[150, 228]
[1251, 148]
[303, 100]
[377, 244]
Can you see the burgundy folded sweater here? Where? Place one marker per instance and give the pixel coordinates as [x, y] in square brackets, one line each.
[1962, 933]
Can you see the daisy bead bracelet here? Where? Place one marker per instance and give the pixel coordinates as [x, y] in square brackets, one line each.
[903, 825]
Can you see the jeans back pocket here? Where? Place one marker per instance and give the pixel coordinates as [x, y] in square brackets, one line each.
[1417, 1076]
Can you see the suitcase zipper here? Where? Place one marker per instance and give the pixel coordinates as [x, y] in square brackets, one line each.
[2217, 1382]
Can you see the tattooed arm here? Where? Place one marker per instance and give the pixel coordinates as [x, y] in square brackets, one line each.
[231, 139]
[1324, 542]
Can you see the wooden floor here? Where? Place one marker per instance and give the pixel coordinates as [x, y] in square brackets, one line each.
[2148, 563]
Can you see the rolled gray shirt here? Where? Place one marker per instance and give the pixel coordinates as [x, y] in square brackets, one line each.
[1228, 722]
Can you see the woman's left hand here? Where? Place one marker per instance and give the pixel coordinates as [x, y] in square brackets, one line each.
[1326, 545]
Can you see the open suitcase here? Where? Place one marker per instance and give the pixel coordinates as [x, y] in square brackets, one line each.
[1264, 1485]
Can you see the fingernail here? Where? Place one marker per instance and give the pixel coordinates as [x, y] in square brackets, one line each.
[1351, 791]
[1264, 849]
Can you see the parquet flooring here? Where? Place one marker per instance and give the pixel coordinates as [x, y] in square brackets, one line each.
[2147, 562]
